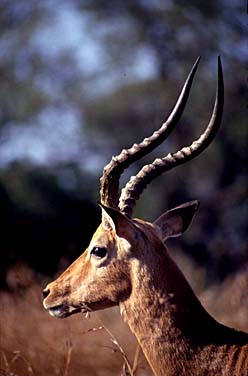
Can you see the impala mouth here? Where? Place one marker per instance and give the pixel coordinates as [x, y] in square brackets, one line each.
[62, 310]
[57, 311]
[65, 310]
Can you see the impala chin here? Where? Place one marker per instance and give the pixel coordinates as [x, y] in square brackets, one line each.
[61, 311]
[58, 312]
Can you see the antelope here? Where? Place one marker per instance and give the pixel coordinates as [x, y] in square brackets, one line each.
[127, 264]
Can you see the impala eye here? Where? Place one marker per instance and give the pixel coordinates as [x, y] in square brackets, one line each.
[98, 252]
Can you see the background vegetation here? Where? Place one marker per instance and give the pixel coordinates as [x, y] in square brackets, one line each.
[80, 80]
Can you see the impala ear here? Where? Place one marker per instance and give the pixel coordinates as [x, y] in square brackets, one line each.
[175, 221]
[113, 219]
[107, 222]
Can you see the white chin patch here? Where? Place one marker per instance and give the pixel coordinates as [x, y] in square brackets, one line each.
[56, 312]
[61, 311]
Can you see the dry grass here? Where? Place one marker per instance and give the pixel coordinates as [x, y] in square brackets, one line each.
[34, 344]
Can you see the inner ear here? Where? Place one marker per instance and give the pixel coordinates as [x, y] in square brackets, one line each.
[113, 219]
[175, 221]
[107, 222]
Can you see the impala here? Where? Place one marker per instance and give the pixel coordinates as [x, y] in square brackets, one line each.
[128, 264]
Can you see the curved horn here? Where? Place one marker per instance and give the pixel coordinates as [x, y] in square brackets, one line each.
[109, 182]
[136, 185]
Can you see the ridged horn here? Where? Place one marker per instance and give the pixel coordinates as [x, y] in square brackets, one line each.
[136, 185]
[109, 182]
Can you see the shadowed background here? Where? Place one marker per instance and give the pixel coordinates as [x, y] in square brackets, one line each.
[79, 81]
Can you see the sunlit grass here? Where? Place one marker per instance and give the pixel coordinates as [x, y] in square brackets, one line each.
[34, 344]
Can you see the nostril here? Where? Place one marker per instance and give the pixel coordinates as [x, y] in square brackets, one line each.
[45, 293]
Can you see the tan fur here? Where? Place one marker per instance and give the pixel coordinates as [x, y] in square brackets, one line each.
[177, 335]
[133, 268]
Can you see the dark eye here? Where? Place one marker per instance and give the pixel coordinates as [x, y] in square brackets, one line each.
[99, 252]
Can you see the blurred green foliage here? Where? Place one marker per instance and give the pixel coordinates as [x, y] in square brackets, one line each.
[109, 72]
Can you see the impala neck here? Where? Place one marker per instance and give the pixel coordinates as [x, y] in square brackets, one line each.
[165, 315]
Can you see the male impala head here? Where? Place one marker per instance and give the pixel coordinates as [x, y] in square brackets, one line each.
[103, 275]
